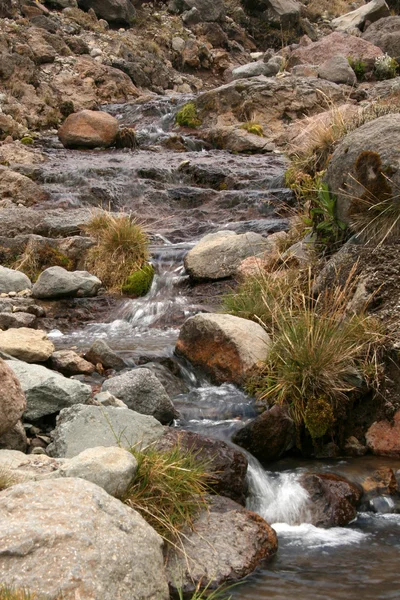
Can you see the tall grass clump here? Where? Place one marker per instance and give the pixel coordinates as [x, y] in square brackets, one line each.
[7, 479]
[10, 593]
[169, 489]
[318, 356]
[121, 248]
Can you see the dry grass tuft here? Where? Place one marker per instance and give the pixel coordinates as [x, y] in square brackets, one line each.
[7, 479]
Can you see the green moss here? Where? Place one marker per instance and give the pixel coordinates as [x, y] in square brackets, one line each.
[27, 140]
[318, 417]
[253, 128]
[359, 67]
[187, 116]
[139, 283]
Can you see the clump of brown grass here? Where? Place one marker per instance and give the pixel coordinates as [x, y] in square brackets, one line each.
[10, 593]
[7, 479]
[121, 248]
[38, 257]
[332, 8]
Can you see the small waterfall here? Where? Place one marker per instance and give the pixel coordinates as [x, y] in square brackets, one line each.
[277, 497]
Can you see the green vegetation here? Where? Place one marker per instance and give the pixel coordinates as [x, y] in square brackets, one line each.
[220, 593]
[139, 283]
[330, 232]
[359, 67]
[37, 257]
[254, 128]
[385, 67]
[169, 489]
[27, 140]
[121, 248]
[187, 116]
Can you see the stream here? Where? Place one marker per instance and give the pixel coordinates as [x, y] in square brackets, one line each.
[181, 195]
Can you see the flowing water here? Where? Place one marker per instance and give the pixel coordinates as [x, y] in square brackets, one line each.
[172, 192]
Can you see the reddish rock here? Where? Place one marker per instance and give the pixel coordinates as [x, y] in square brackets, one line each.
[334, 499]
[88, 129]
[383, 437]
[381, 483]
[332, 45]
[12, 399]
[227, 465]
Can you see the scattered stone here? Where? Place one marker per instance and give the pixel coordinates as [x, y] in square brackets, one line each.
[333, 44]
[338, 70]
[226, 543]
[107, 399]
[47, 392]
[142, 392]
[56, 282]
[13, 281]
[88, 129]
[100, 352]
[81, 427]
[383, 437]
[16, 320]
[371, 12]
[385, 34]
[12, 399]
[254, 69]
[99, 546]
[30, 345]
[19, 189]
[69, 362]
[269, 435]
[225, 346]
[381, 483]
[353, 447]
[15, 438]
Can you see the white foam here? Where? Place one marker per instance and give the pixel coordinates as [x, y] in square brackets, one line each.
[314, 537]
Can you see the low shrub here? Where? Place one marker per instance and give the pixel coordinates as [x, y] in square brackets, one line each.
[385, 67]
[169, 489]
[121, 248]
[359, 67]
[187, 116]
[254, 128]
[37, 257]
[139, 283]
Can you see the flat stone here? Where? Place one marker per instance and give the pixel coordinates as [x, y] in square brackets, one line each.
[29, 345]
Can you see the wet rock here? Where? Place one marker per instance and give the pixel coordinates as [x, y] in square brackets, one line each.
[238, 140]
[269, 435]
[50, 223]
[173, 385]
[142, 392]
[47, 392]
[123, 559]
[334, 499]
[12, 399]
[227, 543]
[15, 320]
[81, 427]
[113, 469]
[227, 465]
[88, 129]
[118, 12]
[381, 483]
[69, 362]
[217, 255]
[26, 344]
[56, 282]
[371, 12]
[18, 189]
[383, 437]
[353, 447]
[385, 34]
[338, 70]
[355, 171]
[225, 346]
[13, 281]
[100, 352]
[15, 438]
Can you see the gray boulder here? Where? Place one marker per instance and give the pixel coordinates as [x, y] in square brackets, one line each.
[207, 10]
[10, 320]
[119, 12]
[82, 426]
[69, 537]
[13, 281]
[338, 70]
[56, 282]
[254, 69]
[217, 255]
[372, 11]
[143, 392]
[46, 391]
[15, 438]
[385, 34]
[226, 543]
[100, 352]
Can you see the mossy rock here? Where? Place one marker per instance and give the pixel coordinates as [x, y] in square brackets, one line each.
[254, 128]
[27, 140]
[187, 116]
[318, 417]
[139, 282]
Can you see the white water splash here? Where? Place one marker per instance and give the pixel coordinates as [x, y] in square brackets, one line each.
[315, 537]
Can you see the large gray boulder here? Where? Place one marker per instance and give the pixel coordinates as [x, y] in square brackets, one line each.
[13, 281]
[217, 255]
[12, 399]
[224, 346]
[143, 392]
[56, 282]
[30, 345]
[118, 12]
[385, 34]
[365, 170]
[338, 70]
[46, 391]
[82, 427]
[372, 11]
[69, 537]
[254, 69]
[226, 543]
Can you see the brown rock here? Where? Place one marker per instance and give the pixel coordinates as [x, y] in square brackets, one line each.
[383, 437]
[88, 129]
[227, 543]
[381, 483]
[19, 189]
[334, 499]
[332, 45]
[14, 439]
[29, 345]
[12, 399]
[69, 362]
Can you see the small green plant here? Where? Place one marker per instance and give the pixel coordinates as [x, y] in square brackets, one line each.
[169, 489]
[385, 67]
[254, 128]
[329, 230]
[205, 593]
[27, 140]
[187, 116]
[121, 248]
[139, 283]
[359, 67]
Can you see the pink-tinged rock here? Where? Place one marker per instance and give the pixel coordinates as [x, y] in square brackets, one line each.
[12, 399]
[383, 437]
[88, 129]
[332, 45]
